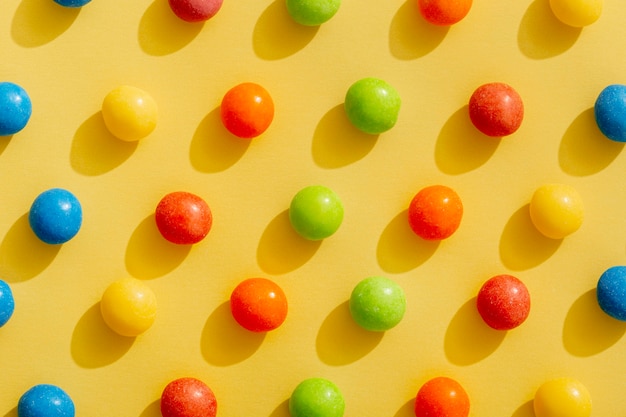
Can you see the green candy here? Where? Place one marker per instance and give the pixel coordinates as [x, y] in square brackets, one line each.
[316, 212]
[312, 12]
[372, 105]
[316, 397]
[377, 304]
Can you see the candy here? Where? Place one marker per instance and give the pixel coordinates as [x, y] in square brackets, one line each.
[372, 105]
[55, 216]
[562, 397]
[45, 400]
[442, 397]
[503, 302]
[258, 305]
[316, 212]
[496, 109]
[577, 13]
[377, 304]
[316, 397]
[611, 292]
[195, 10]
[435, 212]
[7, 303]
[188, 397]
[556, 210]
[444, 12]
[312, 12]
[247, 110]
[183, 218]
[72, 3]
[128, 307]
[15, 108]
[610, 112]
[129, 113]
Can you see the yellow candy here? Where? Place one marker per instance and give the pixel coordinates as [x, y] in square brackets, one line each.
[556, 210]
[562, 397]
[129, 113]
[128, 307]
[577, 13]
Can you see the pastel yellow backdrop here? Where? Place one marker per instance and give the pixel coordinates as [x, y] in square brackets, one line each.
[68, 60]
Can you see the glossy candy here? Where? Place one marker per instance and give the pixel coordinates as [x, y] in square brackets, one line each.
[128, 307]
[556, 210]
[435, 212]
[195, 10]
[45, 400]
[562, 397]
[316, 212]
[577, 13]
[247, 110]
[610, 112]
[258, 304]
[377, 304]
[129, 113]
[7, 303]
[442, 397]
[183, 218]
[372, 105]
[316, 397]
[312, 12]
[611, 292]
[55, 216]
[72, 3]
[503, 302]
[15, 108]
[444, 12]
[496, 109]
[188, 397]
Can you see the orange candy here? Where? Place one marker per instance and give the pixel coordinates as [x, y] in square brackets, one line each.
[247, 110]
[435, 212]
[442, 397]
[258, 305]
[444, 12]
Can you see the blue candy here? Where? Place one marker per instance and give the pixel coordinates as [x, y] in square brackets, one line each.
[45, 400]
[610, 112]
[7, 303]
[72, 3]
[55, 216]
[15, 108]
[611, 292]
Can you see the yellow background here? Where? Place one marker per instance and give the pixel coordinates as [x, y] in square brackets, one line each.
[68, 60]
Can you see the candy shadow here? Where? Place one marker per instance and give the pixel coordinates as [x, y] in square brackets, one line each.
[38, 22]
[587, 329]
[276, 35]
[411, 36]
[407, 409]
[525, 410]
[213, 148]
[340, 341]
[224, 342]
[541, 35]
[95, 151]
[22, 255]
[152, 410]
[94, 344]
[149, 255]
[337, 143]
[281, 249]
[461, 147]
[522, 246]
[468, 339]
[282, 410]
[584, 149]
[11, 413]
[399, 249]
[161, 32]
[4, 142]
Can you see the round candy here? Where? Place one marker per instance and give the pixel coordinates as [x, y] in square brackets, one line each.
[316, 397]
[7, 303]
[188, 397]
[556, 210]
[55, 216]
[312, 12]
[247, 110]
[611, 292]
[129, 113]
[258, 305]
[183, 218]
[128, 307]
[562, 397]
[503, 302]
[496, 109]
[195, 10]
[72, 3]
[316, 212]
[15, 108]
[435, 212]
[372, 105]
[45, 400]
[442, 397]
[444, 12]
[610, 112]
[577, 13]
[377, 304]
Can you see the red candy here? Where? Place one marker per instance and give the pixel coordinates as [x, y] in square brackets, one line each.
[195, 10]
[188, 397]
[503, 302]
[444, 12]
[247, 110]
[183, 218]
[442, 397]
[435, 212]
[258, 305]
[496, 109]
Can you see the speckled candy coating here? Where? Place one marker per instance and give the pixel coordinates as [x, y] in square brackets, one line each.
[372, 105]
[442, 397]
[258, 305]
[316, 212]
[562, 397]
[316, 397]
[129, 113]
[72, 3]
[444, 12]
[183, 218]
[15, 108]
[312, 12]
[188, 397]
[247, 110]
[577, 13]
[610, 112]
[435, 212]
[7, 303]
[55, 216]
[128, 306]
[503, 302]
[556, 210]
[195, 10]
[496, 109]
[377, 304]
[45, 400]
[611, 292]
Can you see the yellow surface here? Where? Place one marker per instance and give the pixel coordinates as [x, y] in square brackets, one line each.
[68, 60]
